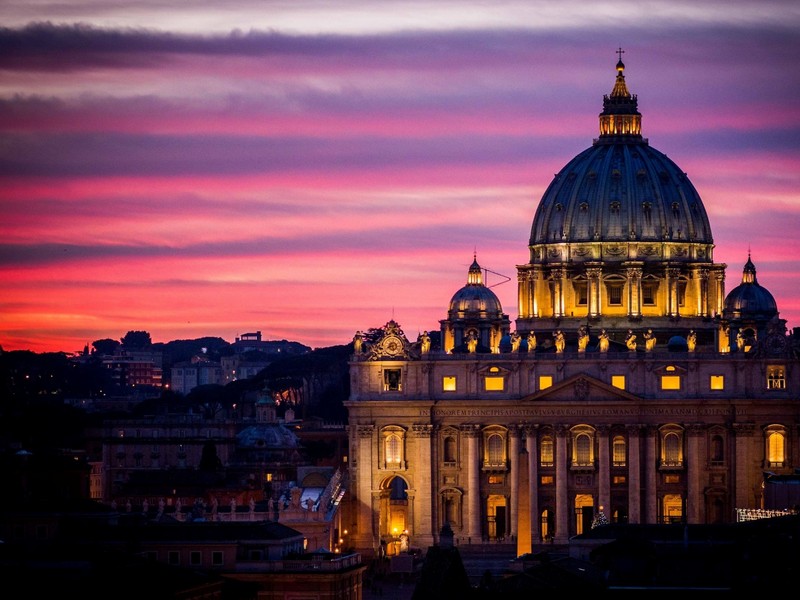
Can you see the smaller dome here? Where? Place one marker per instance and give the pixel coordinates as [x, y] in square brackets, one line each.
[749, 300]
[677, 343]
[475, 300]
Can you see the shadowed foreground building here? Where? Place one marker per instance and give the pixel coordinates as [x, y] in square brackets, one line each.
[632, 383]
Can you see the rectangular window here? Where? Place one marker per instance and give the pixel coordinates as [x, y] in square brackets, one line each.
[216, 558]
[670, 382]
[151, 555]
[618, 480]
[496, 479]
[581, 293]
[448, 383]
[717, 382]
[615, 294]
[493, 383]
[173, 557]
[195, 558]
[649, 294]
[776, 379]
[391, 380]
[618, 381]
[547, 480]
[545, 381]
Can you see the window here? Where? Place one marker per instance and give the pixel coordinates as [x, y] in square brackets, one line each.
[717, 382]
[450, 449]
[545, 381]
[618, 451]
[618, 479]
[776, 378]
[615, 294]
[393, 442]
[618, 381]
[216, 558]
[581, 293]
[649, 290]
[776, 446]
[391, 380]
[449, 383]
[195, 558]
[547, 480]
[495, 449]
[173, 557]
[717, 450]
[546, 451]
[494, 380]
[670, 380]
[672, 447]
[582, 447]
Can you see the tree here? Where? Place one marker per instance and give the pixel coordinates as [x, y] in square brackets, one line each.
[136, 340]
[105, 347]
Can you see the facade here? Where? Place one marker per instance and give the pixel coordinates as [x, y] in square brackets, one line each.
[631, 387]
[189, 374]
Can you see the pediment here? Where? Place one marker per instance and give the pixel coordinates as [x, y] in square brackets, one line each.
[582, 388]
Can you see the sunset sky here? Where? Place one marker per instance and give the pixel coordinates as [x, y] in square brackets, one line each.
[310, 168]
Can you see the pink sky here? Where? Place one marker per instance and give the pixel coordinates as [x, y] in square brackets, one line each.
[314, 168]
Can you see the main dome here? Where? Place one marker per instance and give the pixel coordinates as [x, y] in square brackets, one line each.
[620, 189]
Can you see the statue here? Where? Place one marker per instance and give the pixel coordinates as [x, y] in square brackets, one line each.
[531, 341]
[691, 340]
[583, 338]
[515, 341]
[358, 343]
[739, 341]
[649, 340]
[630, 341]
[603, 343]
[424, 343]
[472, 342]
[560, 342]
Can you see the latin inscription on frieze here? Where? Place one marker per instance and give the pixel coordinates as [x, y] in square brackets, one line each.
[609, 411]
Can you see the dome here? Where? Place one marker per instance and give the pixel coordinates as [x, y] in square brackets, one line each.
[749, 300]
[620, 189]
[475, 300]
[267, 436]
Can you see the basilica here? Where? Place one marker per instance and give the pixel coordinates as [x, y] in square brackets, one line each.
[631, 388]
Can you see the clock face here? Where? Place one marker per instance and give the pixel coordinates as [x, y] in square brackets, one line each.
[392, 345]
[776, 344]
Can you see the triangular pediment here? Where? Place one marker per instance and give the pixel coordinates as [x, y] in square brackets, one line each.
[581, 387]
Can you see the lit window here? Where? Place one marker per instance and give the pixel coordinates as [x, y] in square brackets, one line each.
[449, 383]
[717, 382]
[776, 378]
[495, 450]
[618, 450]
[494, 383]
[670, 382]
[618, 381]
[393, 440]
[672, 448]
[582, 447]
[391, 380]
[547, 480]
[776, 446]
[546, 451]
[393, 450]
[545, 381]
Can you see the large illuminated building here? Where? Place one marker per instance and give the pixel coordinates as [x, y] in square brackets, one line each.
[631, 385]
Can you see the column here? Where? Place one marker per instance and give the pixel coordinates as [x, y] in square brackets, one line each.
[634, 276]
[473, 487]
[366, 535]
[672, 291]
[523, 520]
[743, 440]
[513, 505]
[532, 445]
[423, 506]
[604, 469]
[694, 498]
[634, 475]
[651, 475]
[563, 512]
[594, 275]
[557, 276]
[523, 294]
[701, 276]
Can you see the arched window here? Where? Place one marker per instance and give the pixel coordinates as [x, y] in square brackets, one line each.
[618, 449]
[393, 442]
[582, 446]
[450, 449]
[546, 451]
[672, 450]
[495, 454]
[393, 449]
[776, 446]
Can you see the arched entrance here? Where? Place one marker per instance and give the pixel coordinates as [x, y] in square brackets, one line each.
[394, 511]
[673, 508]
[584, 513]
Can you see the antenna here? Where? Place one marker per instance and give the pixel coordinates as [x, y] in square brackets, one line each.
[506, 278]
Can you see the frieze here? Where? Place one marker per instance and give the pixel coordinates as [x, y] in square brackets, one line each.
[586, 411]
